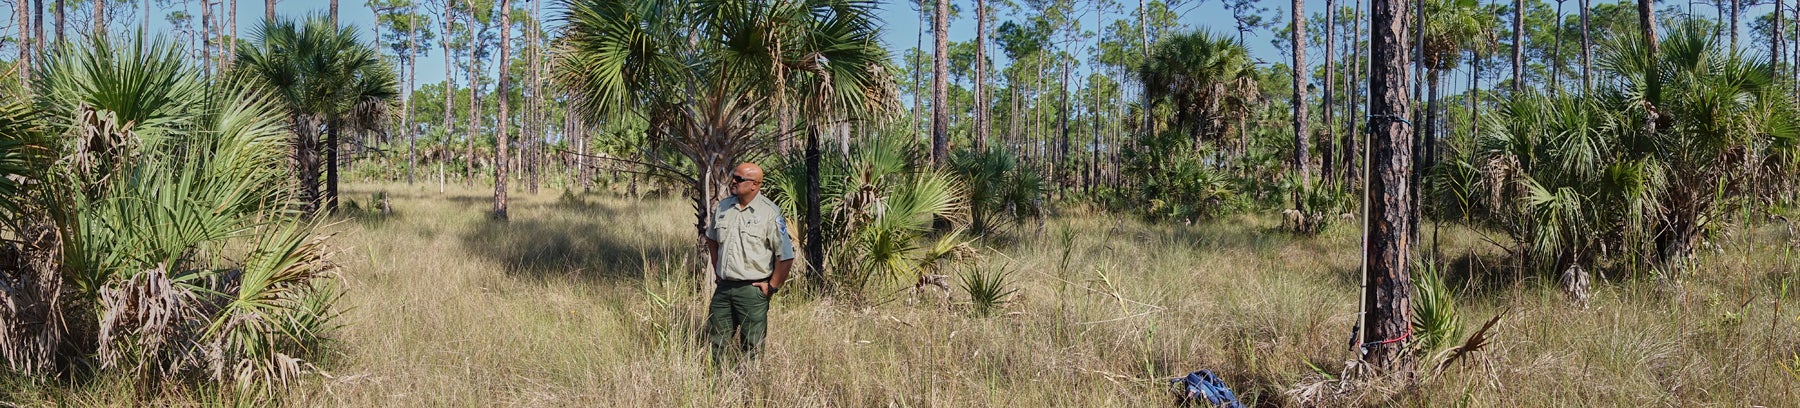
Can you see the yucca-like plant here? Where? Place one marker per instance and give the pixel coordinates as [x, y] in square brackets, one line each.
[1435, 320]
[988, 289]
[172, 216]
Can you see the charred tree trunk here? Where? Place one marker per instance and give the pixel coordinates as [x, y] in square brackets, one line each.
[1387, 284]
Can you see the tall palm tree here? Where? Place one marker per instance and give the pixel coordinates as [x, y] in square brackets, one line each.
[329, 80]
[834, 45]
[696, 71]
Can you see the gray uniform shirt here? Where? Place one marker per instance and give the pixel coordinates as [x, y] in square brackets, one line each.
[751, 239]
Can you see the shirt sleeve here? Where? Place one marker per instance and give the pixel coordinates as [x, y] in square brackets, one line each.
[785, 245]
[712, 227]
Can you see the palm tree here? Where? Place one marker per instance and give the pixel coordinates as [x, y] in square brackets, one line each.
[195, 253]
[696, 71]
[1206, 78]
[328, 79]
[1386, 281]
[834, 45]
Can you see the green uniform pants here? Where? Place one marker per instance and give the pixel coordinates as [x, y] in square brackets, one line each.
[737, 308]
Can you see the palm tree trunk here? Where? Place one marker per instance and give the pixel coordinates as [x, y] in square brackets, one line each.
[981, 102]
[1386, 281]
[306, 159]
[334, 13]
[940, 119]
[331, 166]
[449, 77]
[268, 10]
[504, 122]
[1298, 29]
[815, 235]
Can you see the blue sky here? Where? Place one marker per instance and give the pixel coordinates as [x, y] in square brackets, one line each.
[900, 18]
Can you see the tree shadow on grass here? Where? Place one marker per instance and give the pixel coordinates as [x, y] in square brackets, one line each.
[588, 247]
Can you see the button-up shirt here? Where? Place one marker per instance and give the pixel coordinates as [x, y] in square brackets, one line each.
[751, 239]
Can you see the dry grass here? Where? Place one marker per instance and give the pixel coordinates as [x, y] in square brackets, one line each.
[583, 303]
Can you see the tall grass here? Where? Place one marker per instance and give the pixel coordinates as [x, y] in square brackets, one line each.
[584, 303]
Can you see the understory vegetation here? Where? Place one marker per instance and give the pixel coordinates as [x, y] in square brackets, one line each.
[581, 300]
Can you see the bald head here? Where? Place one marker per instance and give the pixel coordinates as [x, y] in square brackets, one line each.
[748, 170]
[746, 181]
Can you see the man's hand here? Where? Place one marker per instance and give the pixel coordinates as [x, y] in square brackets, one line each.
[767, 289]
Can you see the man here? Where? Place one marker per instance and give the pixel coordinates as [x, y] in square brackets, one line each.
[751, 254]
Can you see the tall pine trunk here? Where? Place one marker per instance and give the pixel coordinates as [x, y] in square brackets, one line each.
[1518, 45]
[1352, 167]
[504, 122]
[449, 79]
[412, 72]
[1298, 29]
[1386, 281]
[1326, 110]
[1587, 46]
[981, 101]
[940, 116]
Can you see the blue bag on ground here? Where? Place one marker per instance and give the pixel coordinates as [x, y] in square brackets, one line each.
[1203, 385]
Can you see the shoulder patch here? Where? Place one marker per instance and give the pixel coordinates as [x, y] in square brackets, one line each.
[781, 225]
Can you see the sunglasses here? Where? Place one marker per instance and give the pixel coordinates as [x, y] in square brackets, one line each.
[739, 179]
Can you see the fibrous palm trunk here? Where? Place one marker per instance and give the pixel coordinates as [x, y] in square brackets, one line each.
[268, 10]
[1386, 282]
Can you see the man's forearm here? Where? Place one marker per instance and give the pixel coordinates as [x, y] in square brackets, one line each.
[712, 250]
[781, 272]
